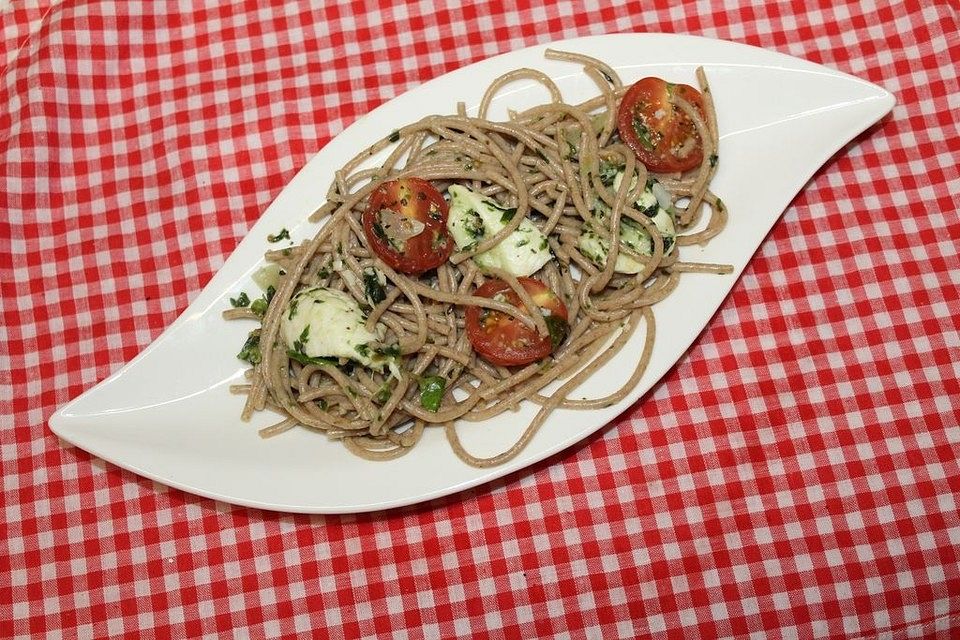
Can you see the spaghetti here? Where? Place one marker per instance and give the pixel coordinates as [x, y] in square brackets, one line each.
[564, 173]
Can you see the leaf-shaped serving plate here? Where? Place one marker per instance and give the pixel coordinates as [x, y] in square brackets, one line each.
[168, 414]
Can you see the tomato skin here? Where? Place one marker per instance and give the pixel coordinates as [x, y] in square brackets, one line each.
[504, 340]
[415, 201]
[661, 135]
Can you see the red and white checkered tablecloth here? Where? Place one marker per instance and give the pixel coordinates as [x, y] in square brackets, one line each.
[795, 475]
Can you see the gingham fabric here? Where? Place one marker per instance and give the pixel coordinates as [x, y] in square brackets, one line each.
[794, 475]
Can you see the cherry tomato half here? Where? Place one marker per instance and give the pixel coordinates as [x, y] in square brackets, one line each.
[504, 340]
[406, 225]
[662, 136]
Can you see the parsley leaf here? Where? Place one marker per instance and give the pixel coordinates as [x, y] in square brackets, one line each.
[251, 348]
[240, 301]
[283, 235]
[431, 392]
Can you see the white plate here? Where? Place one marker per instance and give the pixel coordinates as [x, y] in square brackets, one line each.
[168, 414]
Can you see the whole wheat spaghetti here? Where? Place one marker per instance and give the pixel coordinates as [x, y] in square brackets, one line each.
[609, 254]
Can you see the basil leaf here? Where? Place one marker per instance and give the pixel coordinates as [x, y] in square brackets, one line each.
[431, 392]
[372, 289]
[608, 172]
[389, 351]
[644, 134]
[251, 348]
[558, 328]
[283, 235]
[305, 359]
[241, 300]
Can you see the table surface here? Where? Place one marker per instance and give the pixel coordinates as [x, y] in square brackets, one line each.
[794, 475]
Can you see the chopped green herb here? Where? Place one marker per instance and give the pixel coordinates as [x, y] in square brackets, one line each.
[260, 305]
[372, 288]
[240, 301]
[523, 243]
[283, 235]
[608, 172]
[473, 225]
[302, 340]
[713, 159]
[507, 215]
[389, 351]
[378, 230]
[363, 349]
[293, 308]
[543, 244]
[383, 394]
[394, 136]
[606, 76]
[644, 134]
[558, 328]
[305, 359]
[251, 348]
[431, 392]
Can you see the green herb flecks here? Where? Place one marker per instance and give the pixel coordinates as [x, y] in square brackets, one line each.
[644, 134]
[431, 392]
[302, 340]
[251, 348]
[372, 289]
[667, 244]
[388, 351]
[260, 305]
[240, 301]
[378, 230]
[558, 327]
[608, 172]
[713, 159]
[283, 235]
[304, 359]
[363, 349]
[394, 135]
[383, 393]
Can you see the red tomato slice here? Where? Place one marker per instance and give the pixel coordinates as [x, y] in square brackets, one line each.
[406, 225]
[504, 340]
[662, 136]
